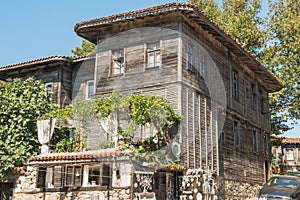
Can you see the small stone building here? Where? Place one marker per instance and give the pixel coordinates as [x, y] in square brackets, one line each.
[287, 155]
[176, 52]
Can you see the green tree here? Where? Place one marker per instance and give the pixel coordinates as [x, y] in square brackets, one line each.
[239, 18]
[281, 55]
[273, 40]
[209, 8]
[85, 49]
[22, 102]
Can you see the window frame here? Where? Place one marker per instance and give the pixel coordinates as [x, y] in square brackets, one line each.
[253, 96]
[254, 141]
[120, 59]
[235, 84]
[104, 180]
[289, 153]
[189, 57]
[153, 51]
[76, 174]
[88, 95]
[236, 133]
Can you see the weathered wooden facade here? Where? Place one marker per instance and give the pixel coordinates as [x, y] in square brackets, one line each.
[176, 52]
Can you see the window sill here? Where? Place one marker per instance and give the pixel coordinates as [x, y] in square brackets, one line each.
[154, 67]
[116, 75]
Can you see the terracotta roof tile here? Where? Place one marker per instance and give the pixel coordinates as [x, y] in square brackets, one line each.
[87, 155]
[37, 61]
[124, 15]
[291, 140]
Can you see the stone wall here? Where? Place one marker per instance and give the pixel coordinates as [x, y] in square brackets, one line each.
[236, 190]
[25, 189]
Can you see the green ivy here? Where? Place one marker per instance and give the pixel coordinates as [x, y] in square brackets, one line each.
[22, 103]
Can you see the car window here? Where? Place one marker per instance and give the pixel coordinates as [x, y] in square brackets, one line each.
[283, 182]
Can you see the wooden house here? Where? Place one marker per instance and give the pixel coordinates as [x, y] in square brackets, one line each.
[220, 90]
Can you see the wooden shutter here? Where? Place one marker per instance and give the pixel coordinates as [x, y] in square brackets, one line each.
[105, 175]
[69, 175]
[77, 176]
[57, 176]
[41, 177]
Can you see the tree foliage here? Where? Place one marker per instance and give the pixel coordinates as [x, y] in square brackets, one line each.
[281, 55]
[22, 102]
[273, 40]
[85, 49]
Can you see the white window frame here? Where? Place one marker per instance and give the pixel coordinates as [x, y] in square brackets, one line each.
[154, 49]
[290, 154]
[98, 181]
[89, 95]
[118, 60]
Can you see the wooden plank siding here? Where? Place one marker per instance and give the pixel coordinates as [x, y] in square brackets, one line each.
[57, 73]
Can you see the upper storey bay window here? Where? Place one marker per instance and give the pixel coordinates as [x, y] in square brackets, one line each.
[153, 54]
[118, 62]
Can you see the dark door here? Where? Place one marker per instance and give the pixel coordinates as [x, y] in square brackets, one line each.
[6, 191]
[266, 170]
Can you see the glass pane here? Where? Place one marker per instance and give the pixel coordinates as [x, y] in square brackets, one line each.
[157, 58]
[90, 89]
[151, 60]
[157, 46]
[151, 47]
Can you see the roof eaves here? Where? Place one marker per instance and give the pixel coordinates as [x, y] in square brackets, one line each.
[218, 33]
[36, 61]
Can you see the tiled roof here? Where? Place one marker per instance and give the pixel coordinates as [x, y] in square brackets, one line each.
[90, 30]
[138, 13]
[291, 140]
[75, 156]
[46, 60]
[37, 61]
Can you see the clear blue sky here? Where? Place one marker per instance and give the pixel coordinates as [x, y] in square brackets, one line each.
[34, 29]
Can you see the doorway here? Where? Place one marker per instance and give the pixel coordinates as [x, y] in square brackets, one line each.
[6, 190]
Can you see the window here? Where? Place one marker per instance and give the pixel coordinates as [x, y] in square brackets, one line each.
[153, 54]
[202, 64]
[262, 102]
[235, 84]
[148, 131]
[49, 88]
[289, 154]
[253, 96]
[254, 141]
[73, 175]
[50, 177]
[266, 144]
[189, 57]
[222, 137]
[118, 62]
[89, 89]
[236, 133]
[96, 175]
